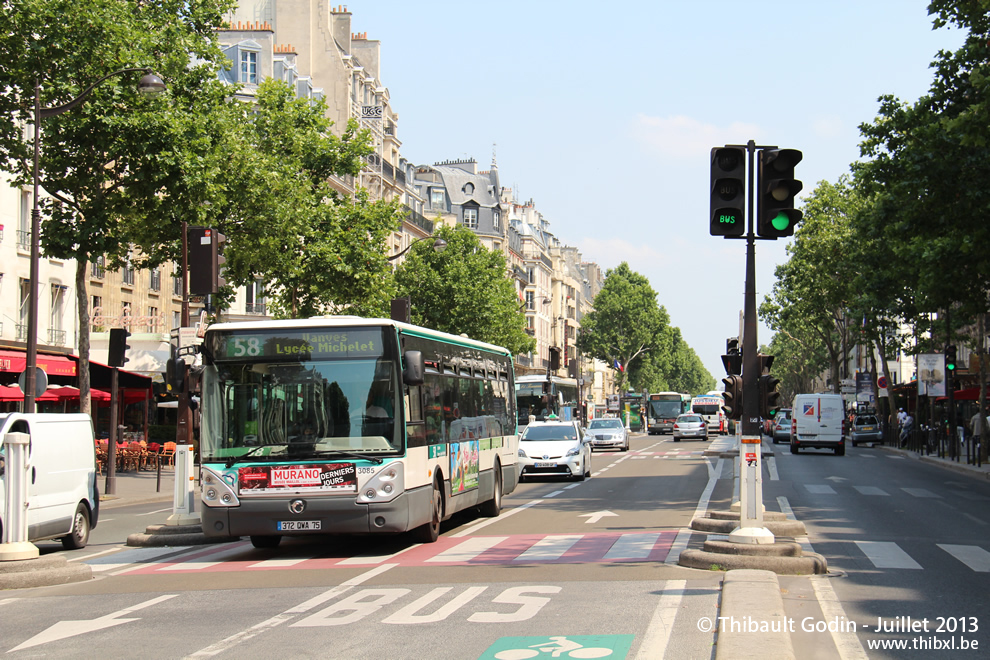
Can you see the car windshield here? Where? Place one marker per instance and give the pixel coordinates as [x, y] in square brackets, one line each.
[605, 424]
[866, 420]
[553, 432]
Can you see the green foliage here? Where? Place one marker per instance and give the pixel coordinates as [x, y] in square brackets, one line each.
[463, 290]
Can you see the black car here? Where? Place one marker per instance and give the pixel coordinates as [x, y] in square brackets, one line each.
[865, 428]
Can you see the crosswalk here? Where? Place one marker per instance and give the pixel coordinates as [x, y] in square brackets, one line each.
[887, 554]
[672, 455]
[921, 493]
[595, 547]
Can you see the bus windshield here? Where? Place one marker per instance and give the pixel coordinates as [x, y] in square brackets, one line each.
[668, 409]
[297, 397]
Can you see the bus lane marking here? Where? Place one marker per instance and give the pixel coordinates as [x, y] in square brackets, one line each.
[468, 549]
[492, 521]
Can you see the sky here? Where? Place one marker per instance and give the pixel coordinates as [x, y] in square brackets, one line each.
[605, 113]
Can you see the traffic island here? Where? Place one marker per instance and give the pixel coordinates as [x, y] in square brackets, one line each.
[158, 536]
[746, 595]
[44, 571]
[780, 557]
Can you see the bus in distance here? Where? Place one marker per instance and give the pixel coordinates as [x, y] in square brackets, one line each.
[349, 425]
[664, 407]
[540, 398]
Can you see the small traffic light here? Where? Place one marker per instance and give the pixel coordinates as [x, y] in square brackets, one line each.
[205, 260]
[728, 192]
[117, 355]
[732, 346]
[950, 358]
[769, 396]
[175, 374]
[554, 358]
[733, 396]
[776, 215]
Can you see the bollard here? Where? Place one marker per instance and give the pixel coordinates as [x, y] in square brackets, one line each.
[17, 465]
[184, 502]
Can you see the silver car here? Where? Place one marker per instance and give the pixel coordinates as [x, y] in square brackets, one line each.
[554, 449]
[608, 433]
[690, 425]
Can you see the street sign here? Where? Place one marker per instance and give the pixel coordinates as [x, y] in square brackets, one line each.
[882, 382]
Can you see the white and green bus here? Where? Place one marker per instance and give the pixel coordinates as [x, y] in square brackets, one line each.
[348, 425]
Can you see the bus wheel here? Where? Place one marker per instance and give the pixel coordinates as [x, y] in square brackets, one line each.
[430, 532]
[266, 541]
[493, 507]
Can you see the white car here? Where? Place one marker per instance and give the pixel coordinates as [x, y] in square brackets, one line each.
[690, 425]
[554, 449]
[608, 433]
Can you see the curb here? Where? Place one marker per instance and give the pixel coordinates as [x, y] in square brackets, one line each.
[809, 563]
[959, 468]
[745, 592]
[777, 527]
[115, 501]
[43, 571]
[159, 536]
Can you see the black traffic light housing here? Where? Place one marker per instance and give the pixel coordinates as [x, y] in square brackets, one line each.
[205, 260]
[950, 358]
[117, 354]
[554, 358]
[175, 374]
[776, 185]
[733, 396]
[769, 396]
[728, 192]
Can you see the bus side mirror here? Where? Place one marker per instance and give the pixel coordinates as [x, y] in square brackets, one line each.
[415, 369]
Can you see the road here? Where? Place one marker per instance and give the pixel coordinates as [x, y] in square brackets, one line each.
[569, 567]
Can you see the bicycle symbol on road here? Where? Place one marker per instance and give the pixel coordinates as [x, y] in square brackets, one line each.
[560, 646]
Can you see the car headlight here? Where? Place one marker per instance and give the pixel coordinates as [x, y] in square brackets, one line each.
[573, 451]
[522, 454]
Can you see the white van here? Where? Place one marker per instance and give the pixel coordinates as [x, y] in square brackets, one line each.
[63, 496]
[816, 422]
[711, 407]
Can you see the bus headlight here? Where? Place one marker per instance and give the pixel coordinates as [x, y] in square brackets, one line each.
[216, 491]
[385, 486]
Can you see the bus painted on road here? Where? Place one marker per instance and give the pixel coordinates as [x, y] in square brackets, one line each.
[663, 409]
[351, 425]
[538, 397]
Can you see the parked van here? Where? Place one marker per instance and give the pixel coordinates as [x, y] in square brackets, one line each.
[816, 422]
[63, 496]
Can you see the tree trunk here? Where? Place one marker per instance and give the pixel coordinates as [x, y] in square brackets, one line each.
[82, 305]
[981, 421]
[891, 401]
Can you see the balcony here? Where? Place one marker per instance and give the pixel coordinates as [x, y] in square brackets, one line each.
[22, 332]
[56, 337]
[415, 218]
[23, 240]
[255, 308]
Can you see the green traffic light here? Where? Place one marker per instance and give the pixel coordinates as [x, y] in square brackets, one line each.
[781, 221]
[950, 366]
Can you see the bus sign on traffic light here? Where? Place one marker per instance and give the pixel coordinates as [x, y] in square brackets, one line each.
[776, 185]
[728, 192]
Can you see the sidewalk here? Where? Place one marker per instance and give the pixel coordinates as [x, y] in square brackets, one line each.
[982, 472]
[137, 488]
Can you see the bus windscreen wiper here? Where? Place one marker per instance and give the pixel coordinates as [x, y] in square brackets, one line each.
[349, 454]
[233, 459]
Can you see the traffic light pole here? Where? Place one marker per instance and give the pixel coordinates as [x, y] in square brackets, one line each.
[183, 426]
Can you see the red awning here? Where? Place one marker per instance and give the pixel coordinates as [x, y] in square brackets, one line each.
[53, 365]
[970, 394]
[11, 393]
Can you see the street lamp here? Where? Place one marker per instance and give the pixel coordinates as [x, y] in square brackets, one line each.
[439, 245]
[149, 85]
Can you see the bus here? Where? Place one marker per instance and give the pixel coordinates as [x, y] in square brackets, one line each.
[635, 403]
[663, 409]
[348, 425]
[711, 408]
[535, 397]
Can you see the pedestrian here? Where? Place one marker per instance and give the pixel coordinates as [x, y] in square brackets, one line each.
[906, 428]
[900, 417]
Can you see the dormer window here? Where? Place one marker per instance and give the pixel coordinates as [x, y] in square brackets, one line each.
[468, 188]
[249, 67]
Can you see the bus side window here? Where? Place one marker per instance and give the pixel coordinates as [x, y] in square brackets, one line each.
[415, 421]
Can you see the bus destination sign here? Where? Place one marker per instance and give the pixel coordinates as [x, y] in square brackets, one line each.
[299, 345]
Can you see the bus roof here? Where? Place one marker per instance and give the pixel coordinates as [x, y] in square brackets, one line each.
[356, 321]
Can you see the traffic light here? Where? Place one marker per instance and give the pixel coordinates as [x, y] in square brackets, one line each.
[950, 358]
[175, 374]
[733, 396]
[117, 355]
[728, 188]
[769, 396]
[205, 260]
[776, 215]
[554, 358]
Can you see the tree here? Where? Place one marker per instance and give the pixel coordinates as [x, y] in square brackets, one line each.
[626, 322]
[463, 290]
[94, 156]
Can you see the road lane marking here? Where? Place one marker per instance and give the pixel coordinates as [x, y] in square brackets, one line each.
[554, 493]
[846, 643]
[885, 554]
[662, 622]
[373, 558]
[468, 549]
[632, 546]
[549, 548]
[492, 521]
[772, 468]
[973, 556]
[921, 492]
[289, 614]
[6, 601]
[214, 558]
[871, 490]
[785, 508]
[151, 513]
[816, 489]
[684, 535]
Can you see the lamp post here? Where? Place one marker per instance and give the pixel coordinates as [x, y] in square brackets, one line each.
[149, 85]
[439, 245]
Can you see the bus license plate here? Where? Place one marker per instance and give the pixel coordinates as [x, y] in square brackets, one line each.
[299, 525]
[545, 464]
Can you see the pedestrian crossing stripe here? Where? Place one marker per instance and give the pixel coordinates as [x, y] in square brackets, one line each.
[522, 549]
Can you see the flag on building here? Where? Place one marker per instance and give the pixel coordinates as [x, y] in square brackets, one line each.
[617, 365]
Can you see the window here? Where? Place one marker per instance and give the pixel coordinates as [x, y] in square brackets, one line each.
[24, 222]
[495, 219]
[177, 282]
[176, 319]
[97, 268]
[249, 67]
[437, 199]
[156, 279]
[471, 218]
[127, 274]
[529, 300]
[96, 313]
[153, 317]
[255, 298]
[532, 275]
[25, 292]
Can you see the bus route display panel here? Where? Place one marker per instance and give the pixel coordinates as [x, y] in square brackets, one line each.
[297, 345]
